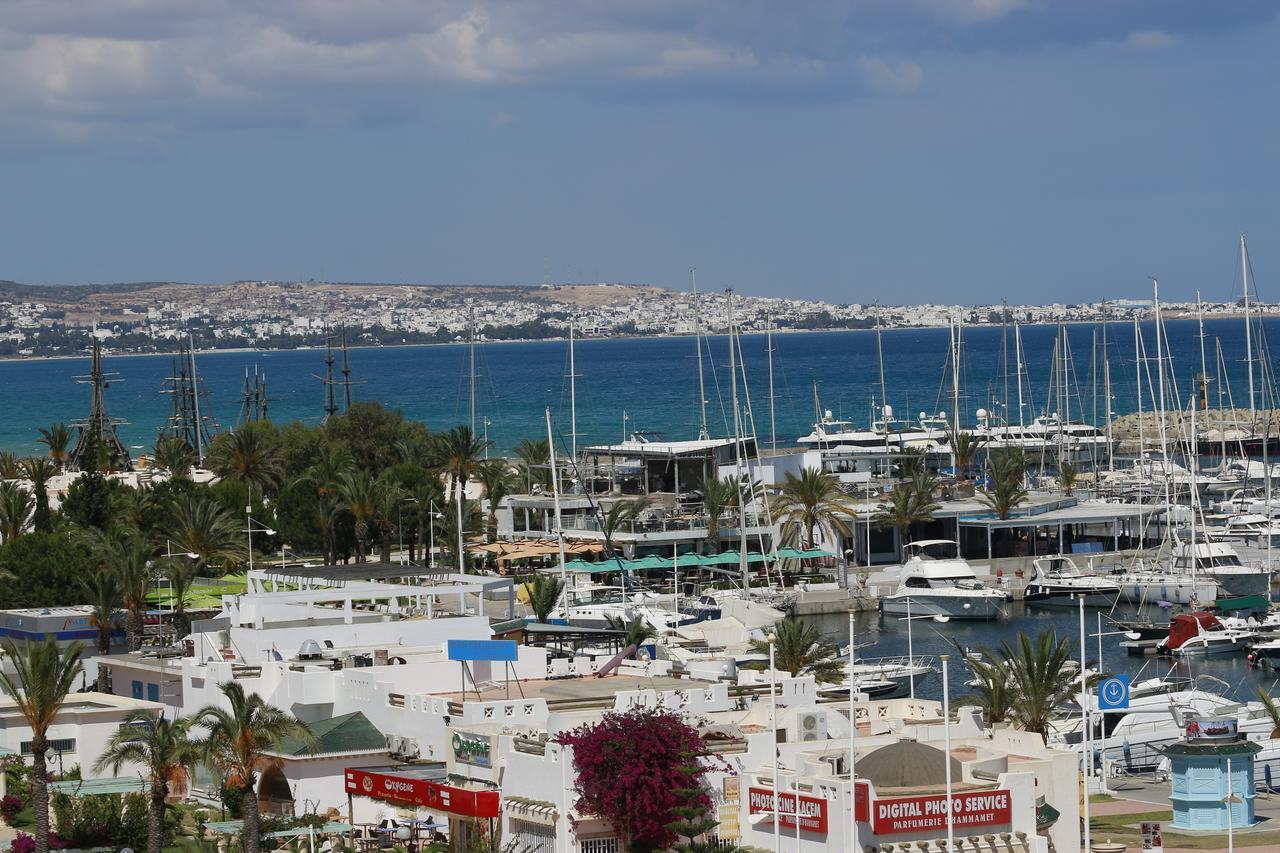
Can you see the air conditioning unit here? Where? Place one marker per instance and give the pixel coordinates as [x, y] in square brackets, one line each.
[395, 743]
[808, 726]
[409, 748]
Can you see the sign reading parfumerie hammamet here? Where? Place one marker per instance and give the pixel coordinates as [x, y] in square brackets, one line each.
[928, 814]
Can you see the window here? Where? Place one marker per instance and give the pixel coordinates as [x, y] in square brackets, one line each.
[153, 692]
[137, 690]
[56, 745]
[533, 837]
[598, 845]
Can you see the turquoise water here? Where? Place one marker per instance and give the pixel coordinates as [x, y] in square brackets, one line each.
[650, 381]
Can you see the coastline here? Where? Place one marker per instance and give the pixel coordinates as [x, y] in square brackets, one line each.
[109, 353]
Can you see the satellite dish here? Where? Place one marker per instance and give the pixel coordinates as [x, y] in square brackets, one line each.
[827, 414]
[888, 411]
[982, 414]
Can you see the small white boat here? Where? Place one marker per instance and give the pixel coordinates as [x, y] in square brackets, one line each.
[1198, 634]
[1058, 582]
[935, 581]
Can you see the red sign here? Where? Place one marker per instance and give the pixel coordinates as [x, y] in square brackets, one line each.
[421, 792]
[862, 801]
[929, 814]
[813, 811]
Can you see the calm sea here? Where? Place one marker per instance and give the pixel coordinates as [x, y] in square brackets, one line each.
[629, 384]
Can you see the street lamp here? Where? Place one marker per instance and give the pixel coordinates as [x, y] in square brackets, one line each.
[1102, 741]
[250, 521]
[853, 729]
[946, 746]
[432, 514]
[911, 655]
[773, 727]
[168, 553]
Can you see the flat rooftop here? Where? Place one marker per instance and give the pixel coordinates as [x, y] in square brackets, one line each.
[575, 689]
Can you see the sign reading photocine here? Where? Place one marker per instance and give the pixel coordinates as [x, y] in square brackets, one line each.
[929, 814]
[813, 811]
[471, 749]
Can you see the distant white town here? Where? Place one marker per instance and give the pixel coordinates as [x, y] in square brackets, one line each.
[152, 317]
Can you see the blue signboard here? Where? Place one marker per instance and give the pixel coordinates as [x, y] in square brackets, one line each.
[1113, 693]
[497, 650]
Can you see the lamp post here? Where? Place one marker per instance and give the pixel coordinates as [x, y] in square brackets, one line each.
[432, 514]
[946, 741]
[1230, 799]
[249, 528]
[168, 553]
[1084, 713]
[853, 730]
[1102, 741]
[911, 654]
[773, 726]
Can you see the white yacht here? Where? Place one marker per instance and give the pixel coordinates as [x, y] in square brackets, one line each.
[1058, 582]
[1220, 562]
[1145, 583]
[884, 435]
[1247, 527]
[935, 580]
[1049, 434]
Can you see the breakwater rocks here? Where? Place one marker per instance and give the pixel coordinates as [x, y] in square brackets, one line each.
[1211, 425]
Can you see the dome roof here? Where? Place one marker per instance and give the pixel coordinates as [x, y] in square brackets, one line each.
[907, 764]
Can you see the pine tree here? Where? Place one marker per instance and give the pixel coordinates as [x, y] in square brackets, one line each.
[696, 819]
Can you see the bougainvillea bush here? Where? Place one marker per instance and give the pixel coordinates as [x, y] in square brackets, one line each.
[631, 769]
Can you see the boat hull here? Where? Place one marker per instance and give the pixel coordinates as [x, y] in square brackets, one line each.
[1047, 595]
[967, 607]
[1180, 591]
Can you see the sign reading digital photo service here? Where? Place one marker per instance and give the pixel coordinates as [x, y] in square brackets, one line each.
[813, 811]
[929, 814]
[472, 749]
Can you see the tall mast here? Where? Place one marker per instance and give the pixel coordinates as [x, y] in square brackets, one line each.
[195, 400]
[955, 388]
[1137, 368]
[737, 449]
[697, 345]
[1004, 359]
[773, 423]
[471, 355]
[1106, 389]
[1248, 324]
[1017, 356]
[573, 399]
[884, 396]
[555, 497]
[346, 372]
[330, 401]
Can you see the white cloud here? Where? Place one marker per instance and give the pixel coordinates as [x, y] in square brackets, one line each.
[1150, 40]
[972, 11]
[896, 78]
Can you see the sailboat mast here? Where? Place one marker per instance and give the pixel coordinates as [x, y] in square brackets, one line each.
[195, 400]
[1017, 357]
[346, 373]
[955, 388]
[773, 422]
[737, 448]
[573, 399]
[1248, 324]
[471, 355]
[1106, 390]
[1137, 378]
[697, 345]
[555, 497]
[884, 395]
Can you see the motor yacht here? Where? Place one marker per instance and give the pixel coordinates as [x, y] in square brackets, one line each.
[1219, 561]
[1058, 582]
[934, 580]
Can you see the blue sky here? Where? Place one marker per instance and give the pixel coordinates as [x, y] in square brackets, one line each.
[870, 150]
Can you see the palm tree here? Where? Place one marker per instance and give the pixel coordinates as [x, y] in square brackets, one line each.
[1041, 676]
[10, 467]
[130, 562]
[358, 492]
[103, 589]
[993, 692]
[535, 462]
[634, 633]
[812, 501]
[447, 535]
[544, 595]
[204, 527]
[182, 573]
[799, 649]
[39, 471]
[460, 454]
[910, 461]
[718, 496]
[174, 455]
[387, 513]
[499, 481]
[43, 676]
[164, 747]
[325, 517]
[906, 507]
[15, 510]
[619, 513]
[1273, 711]
[1006, 493]
[57, 437]
[239, 738]
[1068, 474]
[428, 497]
[326, 474]
[964, 445]
[248, 455]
